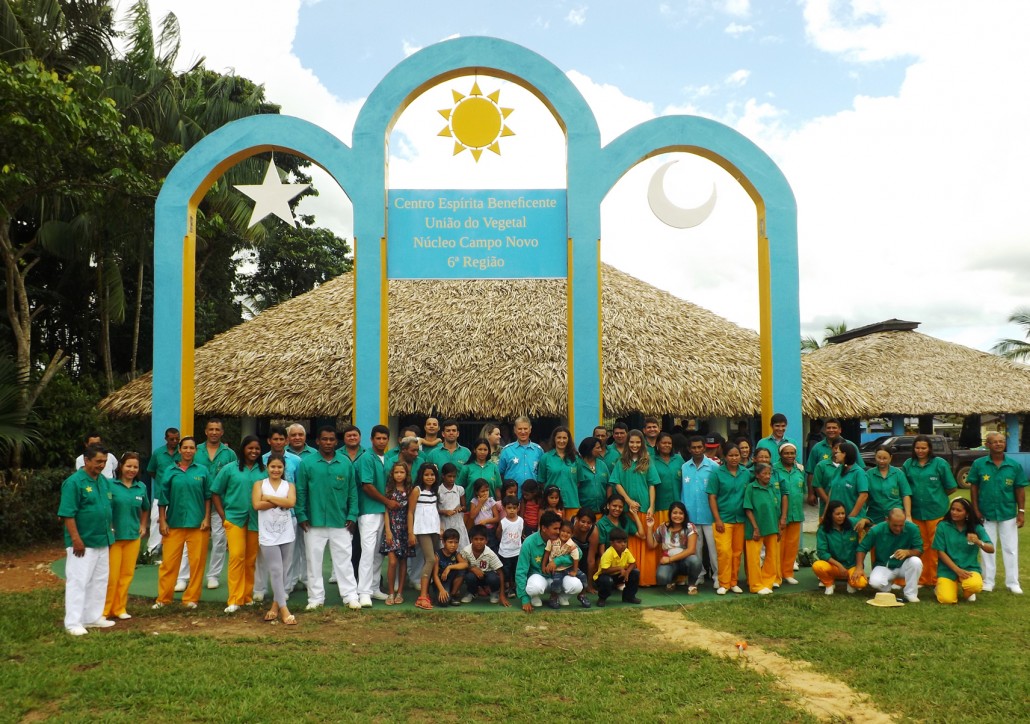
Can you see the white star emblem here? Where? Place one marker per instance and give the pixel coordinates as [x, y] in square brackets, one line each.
[272, 196]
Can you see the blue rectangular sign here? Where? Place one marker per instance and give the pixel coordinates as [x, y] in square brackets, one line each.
[477, 234]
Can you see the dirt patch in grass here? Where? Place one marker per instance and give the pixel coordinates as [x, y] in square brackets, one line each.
[825, 698]
[29, 570]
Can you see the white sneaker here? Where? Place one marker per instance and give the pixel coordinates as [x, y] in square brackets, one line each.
[355, 605]
[895, 587]
[212, 582]
[332, 578]
[852, 589]
[124, 616]
[563, 599]
[100, 623]
[720, 591]
[180, 586]
[972, 598]
[259, 597]
[364, 601]
[379, 595]
[77, 631]
[495, 598]
[157, 606]
[988, 587]
[191, 605]
[912, 599]
[764, 592]
[232, 609]
[791, 581]
[535, 600]
[796, 566]
[312, 605]
[737, 589]
[467, 598]
[829, 590]
[1016, 590]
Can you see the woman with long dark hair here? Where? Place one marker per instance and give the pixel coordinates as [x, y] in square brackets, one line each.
[958, 541]
[836, 543]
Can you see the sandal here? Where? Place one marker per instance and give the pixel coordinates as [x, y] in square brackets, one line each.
[398, 600]
[670, 587]
[271, 615]
[389, 600]
[290, 620]
[692, 591]
[424, 603]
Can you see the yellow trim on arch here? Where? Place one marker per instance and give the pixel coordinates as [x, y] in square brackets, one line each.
[765, 323]
[189, 317]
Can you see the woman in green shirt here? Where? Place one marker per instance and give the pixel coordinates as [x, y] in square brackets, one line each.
[616, 515]
[558, 467]
[635, 478]
[480, 466]
[836, 543]
[669, 467]
[931, 481]
[888, 488]
[130, 514]
[231, 496]
[592, 474]
[725, 488]
[958, 542]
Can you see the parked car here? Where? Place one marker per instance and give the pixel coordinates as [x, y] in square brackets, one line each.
[900, 446]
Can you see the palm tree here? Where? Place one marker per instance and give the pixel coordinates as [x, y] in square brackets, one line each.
[1017, 350]
[808, 344]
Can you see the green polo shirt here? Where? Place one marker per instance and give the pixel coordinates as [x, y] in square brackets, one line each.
[440, 456]
[236, 487]
[764, 503]
[605, 527]
[88, 501]
[127, 506]
[183, 495]
[949, 539]
[370, 470]
[593, 485]
[223, 457]
[160, 461]
[668, 490]
[530, 561]
[840, 545]
[612, 457]
[636, 484]
[773, 446]
[996, 485]
[303, 452]
[846, 487]
[792, 486]
[554, 470]
[728, 490]
[886, 543]
[822, 450]
[326, 494]
[473, 471]
[930, 484]
[885, 493]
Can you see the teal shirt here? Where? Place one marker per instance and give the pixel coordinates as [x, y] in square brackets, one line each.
[791, 485]
[370, 470]
[996, 486]
[554, 470]
[184, 494]
[236, 487]
[160, 461]
[440, 456]
[605, 527]
[840, 545]
[127, 507]
[667, 491]
[822, 450]
[773, 446]
[886, 493]
[88, 501]
[303, 452]
[728, 490]
[949, 539]
[886, 543]
[764, 502]
[636, 484]
[930, 484]
[530, 561]
[223, 457]
[327, 496]
[612, 457]
[473, 471]
[593, 485]
[846, 487]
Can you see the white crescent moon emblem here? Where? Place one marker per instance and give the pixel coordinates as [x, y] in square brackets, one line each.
[670, 214]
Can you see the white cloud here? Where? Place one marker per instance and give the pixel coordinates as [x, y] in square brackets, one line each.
[409, 48]
[738, 77]
[577, 16]
[736, 29]
[738, 8]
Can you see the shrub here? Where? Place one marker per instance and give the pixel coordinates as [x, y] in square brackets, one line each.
[28, 506]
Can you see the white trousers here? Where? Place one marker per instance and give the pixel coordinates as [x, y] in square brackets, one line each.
[339, 541]
[537, 585]
[155, 528]
[1005, 535]
[881, 578]
[708, 533]
[370, 566]
[85, 586]
[216, 560]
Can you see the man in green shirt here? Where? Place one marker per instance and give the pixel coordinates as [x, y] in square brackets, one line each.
[774, 442]
[530, 582]
[898, 546]
[163, 458]
[327, 510]
[823, 450]
[213, 455]
[998, 493]
[450, 451]
[85, 510]
[297, 437]
[372, 503]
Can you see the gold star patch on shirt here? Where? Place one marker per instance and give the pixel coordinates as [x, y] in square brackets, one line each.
[89, 488]
[986, 477]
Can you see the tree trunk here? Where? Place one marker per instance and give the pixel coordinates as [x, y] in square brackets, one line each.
[104, 306]
[136, 319]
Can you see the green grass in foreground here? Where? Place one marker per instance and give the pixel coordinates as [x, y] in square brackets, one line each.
[930, 662]
[600, 665]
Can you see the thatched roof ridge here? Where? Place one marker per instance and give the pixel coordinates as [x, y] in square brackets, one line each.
[910, 373]
[489, 349]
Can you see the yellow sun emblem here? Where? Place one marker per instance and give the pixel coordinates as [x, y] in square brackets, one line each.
[476, 122]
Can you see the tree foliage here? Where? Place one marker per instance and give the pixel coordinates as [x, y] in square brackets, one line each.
[1017, 350]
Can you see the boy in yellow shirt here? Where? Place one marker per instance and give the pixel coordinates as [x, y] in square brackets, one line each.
[617, 566]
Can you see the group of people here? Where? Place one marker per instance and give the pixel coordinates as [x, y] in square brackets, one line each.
[636, 508]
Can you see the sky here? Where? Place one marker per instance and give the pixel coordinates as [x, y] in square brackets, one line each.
[901, 126]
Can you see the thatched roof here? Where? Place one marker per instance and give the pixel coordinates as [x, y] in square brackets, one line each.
[909, 373]
[492, 349]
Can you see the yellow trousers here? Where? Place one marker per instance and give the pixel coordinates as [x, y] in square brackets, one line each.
[123, 555]
[729, 546]
[927, 529]
[243, 551]
[828, 574]
[790, 541]
[764, 574]
[172, 547]
[947, 589]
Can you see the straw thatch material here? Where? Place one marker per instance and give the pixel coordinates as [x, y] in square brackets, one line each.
[492, 349]
[909, 373]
